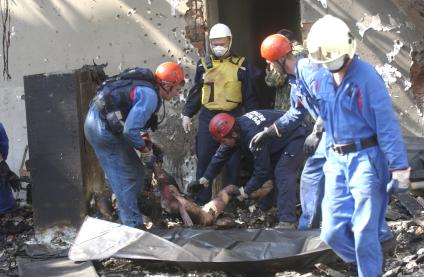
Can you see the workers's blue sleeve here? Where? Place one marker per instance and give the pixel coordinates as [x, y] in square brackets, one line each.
[382, 116]
[222, 155]
[194, 97]
[144, 105]
[261, 170]
[247, 74]
[294, 116]
[4, 142]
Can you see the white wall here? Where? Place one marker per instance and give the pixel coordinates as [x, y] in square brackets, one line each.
[58, 35]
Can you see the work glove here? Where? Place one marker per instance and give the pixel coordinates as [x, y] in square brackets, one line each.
[312, 141]
[146, 155]
[187, 123]
[400, 181]
[261, 138]
[243, 195]
[197, 185]
[9, 177]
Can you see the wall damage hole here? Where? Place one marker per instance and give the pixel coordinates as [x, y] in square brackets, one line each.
[417, 74]
[196, 25]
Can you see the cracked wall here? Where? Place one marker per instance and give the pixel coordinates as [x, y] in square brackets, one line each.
[390, 37]
[55, 36]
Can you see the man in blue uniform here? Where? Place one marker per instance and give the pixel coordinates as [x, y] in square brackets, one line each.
[364, 146]
[121, 110]
[8, 180]
[278, 160]
[277, 51]
[223, 83]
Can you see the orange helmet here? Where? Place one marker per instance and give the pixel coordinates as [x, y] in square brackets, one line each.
[221, 125]
[169, 73]
[275, 47]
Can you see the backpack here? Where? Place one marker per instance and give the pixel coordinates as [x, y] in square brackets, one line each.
[113, 98]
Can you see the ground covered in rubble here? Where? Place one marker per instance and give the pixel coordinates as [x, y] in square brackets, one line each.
[407, 259]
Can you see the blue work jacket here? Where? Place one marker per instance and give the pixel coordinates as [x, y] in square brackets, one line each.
[359, 108]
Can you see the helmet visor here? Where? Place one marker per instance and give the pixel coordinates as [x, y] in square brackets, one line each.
[320, 55]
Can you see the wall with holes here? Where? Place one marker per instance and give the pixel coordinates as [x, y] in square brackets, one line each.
[52, 35]
[390, 36]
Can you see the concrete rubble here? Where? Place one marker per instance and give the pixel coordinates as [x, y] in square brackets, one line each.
[18, 243]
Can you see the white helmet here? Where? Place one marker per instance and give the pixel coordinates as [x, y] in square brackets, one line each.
[219, 30]
[329, 40]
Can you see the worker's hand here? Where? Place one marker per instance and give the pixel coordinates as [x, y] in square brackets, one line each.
[146, 155]
[243, 196]
[9, 177]
[187, 123]
[197, 185]
[204, 182]
[14, 181]
[400, 181]
[261, 138]
[312, 141]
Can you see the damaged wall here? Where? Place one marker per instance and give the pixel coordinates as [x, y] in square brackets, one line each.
[390, 36]
[52, 36]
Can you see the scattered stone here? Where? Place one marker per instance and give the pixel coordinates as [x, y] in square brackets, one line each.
[409, 258]
[392, 272]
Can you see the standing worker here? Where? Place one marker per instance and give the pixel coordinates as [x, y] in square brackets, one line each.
[277, 51]
[278, 160]
[8, 179]
[122, 109]
[223, 83]
[364, 146]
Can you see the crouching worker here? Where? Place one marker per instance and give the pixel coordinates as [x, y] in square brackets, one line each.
[278, 160]
[126, 105]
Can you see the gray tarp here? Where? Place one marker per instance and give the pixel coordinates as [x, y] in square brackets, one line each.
[246, 249]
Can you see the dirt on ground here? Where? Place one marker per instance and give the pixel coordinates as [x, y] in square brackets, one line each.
[406, 259]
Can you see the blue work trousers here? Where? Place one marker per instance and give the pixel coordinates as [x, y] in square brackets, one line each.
[206, 147]
[285, 173]
[121, 165]
[312, 188]
[354, 206]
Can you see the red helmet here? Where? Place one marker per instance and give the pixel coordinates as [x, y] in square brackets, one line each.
[221, 125]
[169, 73]
[275, 47]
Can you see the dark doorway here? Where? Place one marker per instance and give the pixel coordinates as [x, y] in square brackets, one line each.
[250, 22]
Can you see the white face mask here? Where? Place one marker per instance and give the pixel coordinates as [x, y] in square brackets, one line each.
[336, 65]
[219, 50]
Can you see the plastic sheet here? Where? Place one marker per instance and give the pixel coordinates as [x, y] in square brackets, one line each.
[234, 250]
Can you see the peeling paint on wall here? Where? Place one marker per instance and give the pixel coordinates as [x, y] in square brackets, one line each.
[374, 22]
[389, 73]
[323, 3]
[196, 24]
[397, 45]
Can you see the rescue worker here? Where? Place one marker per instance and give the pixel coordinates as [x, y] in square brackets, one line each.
[223, 83]
[8, 179]
[121, 110]
[278, 160]
[364, 146]
[277, 51]
[280, 81]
